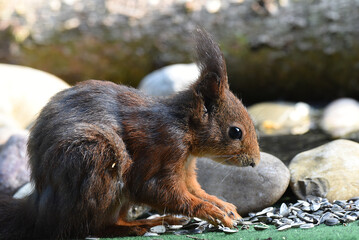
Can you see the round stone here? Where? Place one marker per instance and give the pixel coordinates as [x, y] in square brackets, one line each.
[278, 118]
[341, 118]
[250, 189]
[24, 91]
[14, 171]
[169, 80]
[330, 171]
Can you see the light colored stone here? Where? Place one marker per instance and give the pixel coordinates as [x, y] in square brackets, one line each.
[24, 91]
[330, 171]
[250, 189]
[341, 118]
[277, 118]
[24, 191]
[169, 80]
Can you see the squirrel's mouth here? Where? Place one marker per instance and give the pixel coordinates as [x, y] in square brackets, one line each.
[239, 160]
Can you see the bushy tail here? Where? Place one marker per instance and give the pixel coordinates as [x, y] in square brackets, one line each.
[16, 219]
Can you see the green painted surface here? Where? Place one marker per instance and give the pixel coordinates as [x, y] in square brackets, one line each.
[321, 232]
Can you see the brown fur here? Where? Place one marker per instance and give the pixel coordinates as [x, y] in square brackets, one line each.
[98, 148]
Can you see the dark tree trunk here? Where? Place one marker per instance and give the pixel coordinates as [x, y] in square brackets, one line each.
[296, 50]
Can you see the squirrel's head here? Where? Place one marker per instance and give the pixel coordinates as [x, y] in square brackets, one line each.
[223, 129]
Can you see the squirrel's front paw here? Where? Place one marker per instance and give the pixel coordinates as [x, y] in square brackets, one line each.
[212, 214]
[230, 209]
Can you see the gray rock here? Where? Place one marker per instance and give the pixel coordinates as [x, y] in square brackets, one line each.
[330, 171]
[250, 189]
[169, 80]
[278, 118]
[14, 171]
[7, 131]
[341, 118]
[8, 125]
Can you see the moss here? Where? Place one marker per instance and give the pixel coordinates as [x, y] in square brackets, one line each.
[89, 58]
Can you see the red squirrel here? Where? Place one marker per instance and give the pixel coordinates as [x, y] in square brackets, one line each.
[98, 147]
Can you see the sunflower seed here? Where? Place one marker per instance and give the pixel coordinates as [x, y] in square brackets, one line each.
[354, 199]
[324, 217]
[339, 203]
[331, 221]
[336, 208]
[314, 207]
[287, 221]
[158, 229]
[297, 224]
[284, 227]
[264, 211]
[284, 210]
[150, 234]
[307, 225]
[262, 218]
[229, 230]
[302, 214]
[260, 227]
[245, 223]
[175, 227]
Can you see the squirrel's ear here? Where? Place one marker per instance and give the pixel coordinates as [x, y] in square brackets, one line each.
[213, 80]
[210, 86]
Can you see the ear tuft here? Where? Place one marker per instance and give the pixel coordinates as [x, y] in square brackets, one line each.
[213, 73]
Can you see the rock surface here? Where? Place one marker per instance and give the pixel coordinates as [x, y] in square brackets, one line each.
[169, 80]
[279, 118]
[23, 93]
[8, 127]
[250, 189]
[14, 171]
[330, 171]
[341, 118]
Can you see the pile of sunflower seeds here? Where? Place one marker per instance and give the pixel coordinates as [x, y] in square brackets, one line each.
[302, 214]
[305, 214]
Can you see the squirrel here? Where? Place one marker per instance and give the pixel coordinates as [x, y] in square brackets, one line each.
[97, 148]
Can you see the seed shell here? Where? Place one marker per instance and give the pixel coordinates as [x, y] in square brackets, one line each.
[284, 227]
[158, 229]
[307, 225]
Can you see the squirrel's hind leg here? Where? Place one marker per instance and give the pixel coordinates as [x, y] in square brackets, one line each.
[148, 223]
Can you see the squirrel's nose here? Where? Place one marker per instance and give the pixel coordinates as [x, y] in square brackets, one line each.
[253, 164]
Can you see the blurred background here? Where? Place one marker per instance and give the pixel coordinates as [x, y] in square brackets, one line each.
[297, 50]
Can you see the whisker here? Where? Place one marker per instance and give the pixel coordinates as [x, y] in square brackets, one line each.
[221, 162]
[220, 156]
[228, 173]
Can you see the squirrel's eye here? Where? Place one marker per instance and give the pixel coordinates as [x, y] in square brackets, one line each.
[235, 133]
